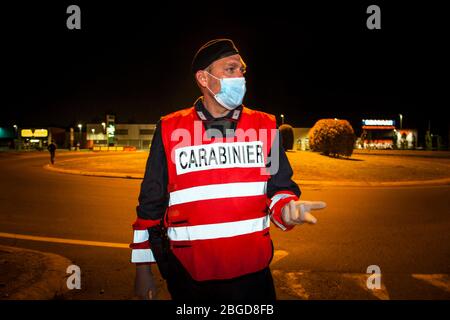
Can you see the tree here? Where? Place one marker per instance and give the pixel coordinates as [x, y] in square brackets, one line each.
[332, 137]
[414, 141]
[362, 138]
[428, 141]
[394, 140]
[287, 136]
[403, 142]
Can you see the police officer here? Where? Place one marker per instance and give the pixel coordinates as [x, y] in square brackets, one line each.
[215, 177]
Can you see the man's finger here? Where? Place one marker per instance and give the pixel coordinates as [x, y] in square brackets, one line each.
[293, 212]
[309, 218]
[311, 205]
[316, 205]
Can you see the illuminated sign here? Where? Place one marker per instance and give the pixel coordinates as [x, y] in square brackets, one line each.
[37, 133]
[40, 133]
[26, 133]
[7, 133]
[110, 130]
[371, 122]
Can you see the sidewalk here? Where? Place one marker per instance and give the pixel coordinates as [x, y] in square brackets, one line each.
[310, 169]
[404, 153]
[31, 275]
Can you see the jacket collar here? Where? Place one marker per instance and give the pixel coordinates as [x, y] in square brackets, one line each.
[204, 114]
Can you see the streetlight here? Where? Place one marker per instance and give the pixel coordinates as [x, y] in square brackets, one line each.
[79, 140]
[16, 136]
[104, 132]
[282, 118]
[401, 121]
[93, 135]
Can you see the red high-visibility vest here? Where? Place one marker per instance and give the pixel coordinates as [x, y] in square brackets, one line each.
[217, 218]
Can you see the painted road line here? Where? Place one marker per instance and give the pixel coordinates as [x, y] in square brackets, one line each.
[278, 255]
[289, 282]
[65, 241]
[361, 281]
[441, 281]
[296, 287]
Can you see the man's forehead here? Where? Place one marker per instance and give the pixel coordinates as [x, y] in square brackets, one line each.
[235, 58]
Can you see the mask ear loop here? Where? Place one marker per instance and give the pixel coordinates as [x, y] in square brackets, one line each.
[215, 78]
[212, 75]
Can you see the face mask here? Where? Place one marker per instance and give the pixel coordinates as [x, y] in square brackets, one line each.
[232, 91]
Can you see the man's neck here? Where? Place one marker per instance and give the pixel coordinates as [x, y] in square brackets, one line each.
[214, 108]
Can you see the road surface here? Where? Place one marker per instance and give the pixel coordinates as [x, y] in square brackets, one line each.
[403, 231]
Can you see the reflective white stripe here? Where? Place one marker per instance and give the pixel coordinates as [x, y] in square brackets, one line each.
[140, 236]
[278, 224]
[217, 191]
[218, 230]
[278, 197]
[142, 255]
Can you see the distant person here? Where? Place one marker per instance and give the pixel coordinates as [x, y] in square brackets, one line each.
[52, 149]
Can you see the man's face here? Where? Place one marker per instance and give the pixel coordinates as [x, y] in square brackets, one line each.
[228, 67]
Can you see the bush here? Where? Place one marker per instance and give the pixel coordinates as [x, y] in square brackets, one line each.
[287, 136]
[332, 137]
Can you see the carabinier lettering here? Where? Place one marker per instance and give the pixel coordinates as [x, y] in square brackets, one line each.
[219, 155]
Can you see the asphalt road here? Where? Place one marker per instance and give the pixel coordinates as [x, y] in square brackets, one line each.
[404, 231]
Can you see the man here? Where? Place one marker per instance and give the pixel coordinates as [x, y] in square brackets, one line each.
[215, 177]
[52, 149]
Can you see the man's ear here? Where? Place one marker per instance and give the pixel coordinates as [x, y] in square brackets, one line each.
[202, 81]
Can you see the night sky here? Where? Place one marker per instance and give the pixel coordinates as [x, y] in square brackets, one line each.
[305, 61]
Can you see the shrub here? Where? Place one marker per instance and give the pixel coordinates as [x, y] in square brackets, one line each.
[287, 136]
[332, 137]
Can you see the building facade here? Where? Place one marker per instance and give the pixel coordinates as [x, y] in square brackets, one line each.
[301, 138]
[138, 136]
[383, 134]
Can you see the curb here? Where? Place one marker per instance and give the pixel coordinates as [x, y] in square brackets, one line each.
[427, 154]
[52, 281]
[94, 174]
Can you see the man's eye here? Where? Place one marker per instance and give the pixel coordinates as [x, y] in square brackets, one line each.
[230, 70]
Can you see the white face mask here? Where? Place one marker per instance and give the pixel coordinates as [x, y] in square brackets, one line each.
[232, 91]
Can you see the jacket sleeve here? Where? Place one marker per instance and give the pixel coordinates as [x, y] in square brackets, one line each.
[281, 189]
[152, 201]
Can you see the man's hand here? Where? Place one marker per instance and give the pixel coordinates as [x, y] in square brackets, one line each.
[297, 212]
[144, 287]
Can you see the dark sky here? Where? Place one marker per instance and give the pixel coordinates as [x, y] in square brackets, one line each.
[305, 61]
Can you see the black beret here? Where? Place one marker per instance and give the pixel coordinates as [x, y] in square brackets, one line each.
[212, 51]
